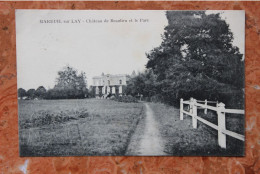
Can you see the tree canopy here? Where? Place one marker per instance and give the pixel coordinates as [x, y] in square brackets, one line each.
[68, 78]
[31, 93]
[69, 84]
[143, 83]
[196, 58]
[21, 93]
[40, 92]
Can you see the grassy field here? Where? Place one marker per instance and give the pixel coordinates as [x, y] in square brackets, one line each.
[181, 139]
[76, 127]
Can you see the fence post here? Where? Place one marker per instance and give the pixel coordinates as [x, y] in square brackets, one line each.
[221, 125]
[194, 114]
[205, 110]
[191, 105]
[181, 109]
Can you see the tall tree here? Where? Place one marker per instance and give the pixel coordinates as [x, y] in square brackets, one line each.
[143, 83]
[71, 84]
[196, 57]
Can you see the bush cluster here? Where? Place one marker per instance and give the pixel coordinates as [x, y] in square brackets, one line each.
[125, 99]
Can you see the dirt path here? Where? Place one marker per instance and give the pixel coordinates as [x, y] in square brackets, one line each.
[147, 140]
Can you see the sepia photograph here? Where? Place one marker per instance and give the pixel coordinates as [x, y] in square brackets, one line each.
[131, 82]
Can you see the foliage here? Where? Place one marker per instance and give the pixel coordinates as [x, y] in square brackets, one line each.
[68, 78]
[69, 85]
[91, 92]
[57, 93]
[125, 99]
[31, 93]
[195, 59]
[21, 92]
[142, 84]
[40, 92]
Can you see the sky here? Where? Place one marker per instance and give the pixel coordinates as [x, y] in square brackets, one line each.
[91, 46]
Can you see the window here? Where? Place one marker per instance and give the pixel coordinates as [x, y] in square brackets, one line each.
[108, 82]
[120, 82]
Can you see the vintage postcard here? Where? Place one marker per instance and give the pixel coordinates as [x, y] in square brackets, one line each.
[130, 82]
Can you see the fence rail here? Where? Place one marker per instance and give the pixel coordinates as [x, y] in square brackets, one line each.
[220, 109]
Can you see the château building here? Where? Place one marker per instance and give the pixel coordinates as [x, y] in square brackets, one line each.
[110, 84]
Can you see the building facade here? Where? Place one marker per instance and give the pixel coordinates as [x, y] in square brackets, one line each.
[109, 84]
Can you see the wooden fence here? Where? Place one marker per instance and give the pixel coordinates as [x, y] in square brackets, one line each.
[194, 105]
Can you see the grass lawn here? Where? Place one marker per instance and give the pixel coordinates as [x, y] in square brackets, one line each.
[181, 139]
[76, 127]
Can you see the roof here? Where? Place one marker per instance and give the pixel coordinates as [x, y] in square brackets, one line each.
[110, 75]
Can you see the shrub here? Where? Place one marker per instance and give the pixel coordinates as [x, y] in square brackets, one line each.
[125, 99]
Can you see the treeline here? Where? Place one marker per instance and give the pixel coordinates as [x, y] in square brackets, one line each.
[69, 85]
[195, 59]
